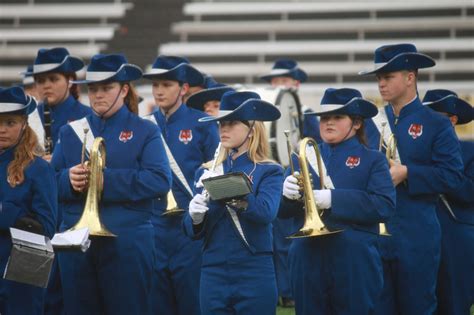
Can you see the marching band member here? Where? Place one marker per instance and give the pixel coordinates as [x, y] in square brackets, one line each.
[114, 275]
[53, 71]
[28, 195]
[28, 83]
[455, 211]
[188, 144]
[427, 162]
[237, 274]
[287, 74]
[209, 99]
[341, 273]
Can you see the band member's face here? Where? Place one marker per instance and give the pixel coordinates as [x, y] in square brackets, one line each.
[191, 91]
[168, 93]
[393, 86]
[233, 134]
[54, 87]
[107, 98]
[212, 108]
[336, 128]
[10, 129]
[285, 82]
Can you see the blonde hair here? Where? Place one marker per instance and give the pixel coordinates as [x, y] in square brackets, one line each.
[258, 150]
[25, 152]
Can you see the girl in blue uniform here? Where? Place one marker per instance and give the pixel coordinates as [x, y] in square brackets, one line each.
[237, 274]
[53, 71]
[341, 273]
[28, 195]
[455, 288]
[114, 275]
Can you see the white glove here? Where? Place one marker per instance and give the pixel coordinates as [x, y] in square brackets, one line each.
[323, 198]
[291, 189]
[198, 208]
[206, 174]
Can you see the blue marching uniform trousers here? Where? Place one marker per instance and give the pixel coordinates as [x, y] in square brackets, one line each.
[115, 275]
[177, 269]
[429, 148]
[281, 244]
[337, 274]
[342, 273]
[37, 195]
[238, 274]
[455, 290]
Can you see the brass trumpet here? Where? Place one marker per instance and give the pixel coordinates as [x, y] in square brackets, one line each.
[90, 216]
[390, 152]
[313, 225]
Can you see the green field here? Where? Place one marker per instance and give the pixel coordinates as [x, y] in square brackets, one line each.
[285, 311]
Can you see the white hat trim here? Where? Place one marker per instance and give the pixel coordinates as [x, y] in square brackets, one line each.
[11, 107]
[28, 80]
[278, 71]
[99, 75]
[45, 67]
[158, 71]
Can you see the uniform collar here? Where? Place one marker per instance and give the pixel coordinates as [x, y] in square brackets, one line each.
[180, 113]
[409, 108]
[241, 160]
[346, 145]
[121, 114]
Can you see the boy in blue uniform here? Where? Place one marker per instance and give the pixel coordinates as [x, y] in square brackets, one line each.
[114, 275]
[340, 273]
[28, 195]
[208, 100]
[455, 211]
[189, 144]
[427, 162]
[237, 275]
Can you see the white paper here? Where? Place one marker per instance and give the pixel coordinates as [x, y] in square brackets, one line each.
[29, 239]
[78, 238]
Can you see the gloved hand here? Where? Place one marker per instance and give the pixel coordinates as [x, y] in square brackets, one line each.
[206, 174]
[323, 198]
[291, 189]
[198, 208]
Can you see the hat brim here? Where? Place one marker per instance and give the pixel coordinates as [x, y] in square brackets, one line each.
[182, 73]
[27, 108]
[296, 74]
[69, 64]
[198, 99]
[252, 109]
[462, 109]
[126, 73]
[355, 107]
[404, 61]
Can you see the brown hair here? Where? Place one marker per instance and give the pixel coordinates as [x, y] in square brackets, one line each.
[132, 98]
[360, 133]
[258, 150]
[74, 89]
[25, 152]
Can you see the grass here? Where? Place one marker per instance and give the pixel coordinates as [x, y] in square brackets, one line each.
[287, 311]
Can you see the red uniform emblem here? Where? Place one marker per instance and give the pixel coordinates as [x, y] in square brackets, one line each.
[125, 136]
[353, 161]
[185, 135]
[415, 130]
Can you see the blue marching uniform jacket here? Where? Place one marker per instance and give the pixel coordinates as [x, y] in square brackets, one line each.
[61, 114]
[37, 195]
[342, 273]
[178, 259]
[456, 276]
[137, 171]
[429, 148]
[237, 275]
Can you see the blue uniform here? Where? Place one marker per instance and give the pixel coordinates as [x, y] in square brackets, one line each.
[61, 114]
[455, 289]
[37, 195]
[342, 273]
[429, 148]
[238, 275]
[114, 275]
[178, 258]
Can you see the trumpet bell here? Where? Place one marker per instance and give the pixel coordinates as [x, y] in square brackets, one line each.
[172, 208]
[383, 230]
